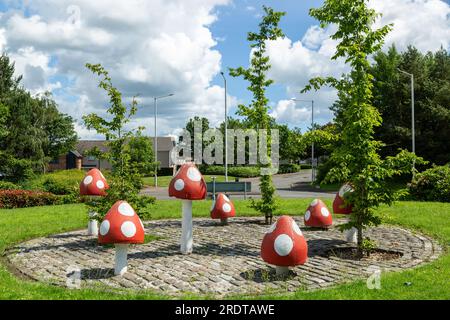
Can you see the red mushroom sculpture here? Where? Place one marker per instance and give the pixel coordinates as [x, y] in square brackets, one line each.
[121, 227]
[284, 245]
[317, 215]
[94, 185]
[223, 209]
[341, 207]
[188, 184]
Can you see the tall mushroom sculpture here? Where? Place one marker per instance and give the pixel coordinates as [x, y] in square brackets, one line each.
[93, 185]
[317, 215]
[188, 184]
[284, 245]
[341, 207]
[223, 209]
[121, 227]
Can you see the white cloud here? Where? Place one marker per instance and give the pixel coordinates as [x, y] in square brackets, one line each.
[422, 23]
[150, 48]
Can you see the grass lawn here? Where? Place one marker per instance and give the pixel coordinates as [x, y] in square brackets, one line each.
[428, 282]
[163, 181]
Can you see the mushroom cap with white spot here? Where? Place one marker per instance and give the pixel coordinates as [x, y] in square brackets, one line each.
[179, 184]
[188, 183]
[223, 208]
[121, 225]
[104, 227]
[284, 244]
[318, 215]
[307, 215]
[324, 211]
[87, 180]
[93, 184]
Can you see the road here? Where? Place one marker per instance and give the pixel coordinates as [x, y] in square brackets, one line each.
[291, 185]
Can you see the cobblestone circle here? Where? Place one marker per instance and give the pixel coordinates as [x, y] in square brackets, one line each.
[226, 259]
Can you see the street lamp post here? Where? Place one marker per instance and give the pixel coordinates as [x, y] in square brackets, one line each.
[226, 128]
[413, 129]
[313, 174]
[155, 99]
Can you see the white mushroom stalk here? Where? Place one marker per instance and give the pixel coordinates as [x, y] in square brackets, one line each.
[187, 185]
[121, 259]
[352, 235]
[187, 240]
[92, 224]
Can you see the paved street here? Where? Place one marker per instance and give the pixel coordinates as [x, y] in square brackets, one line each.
[292, 185]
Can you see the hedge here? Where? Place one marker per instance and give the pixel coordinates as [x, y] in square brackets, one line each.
[432, 185]
[6, 185]
[11, 199]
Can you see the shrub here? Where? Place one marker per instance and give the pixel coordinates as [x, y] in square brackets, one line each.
[11, 199]
[242, 172]
[289, 168]
[6, 185]
[432, 185]
[63, 182]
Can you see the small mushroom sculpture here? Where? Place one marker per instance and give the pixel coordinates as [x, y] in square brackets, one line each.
[340, 207]
[222, 209]
[121, 227]
[284, 246]
[317, 215]
[187, 184]
[94, 185]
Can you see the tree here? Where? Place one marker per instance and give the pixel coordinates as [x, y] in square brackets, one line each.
[256, 112]
[289, 143]
[32, 130]
[357, 151]
[141, 153]
[125, 179]
[392, 98]
[190, 128]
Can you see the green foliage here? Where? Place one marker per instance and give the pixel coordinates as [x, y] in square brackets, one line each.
[141, 153]
[256, 113]
[58, 182]
[368, 245]
[6, 185]
[11, 199]
[432, 184]
[392, 98]
[32, 130]
[289, 168]
[356, 154]
[126, 176]
[242, 172]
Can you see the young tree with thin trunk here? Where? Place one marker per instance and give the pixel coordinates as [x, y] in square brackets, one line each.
[257, 112]
[357, 152]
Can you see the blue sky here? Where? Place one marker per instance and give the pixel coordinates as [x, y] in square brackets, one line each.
[234, 22]
[157, 46]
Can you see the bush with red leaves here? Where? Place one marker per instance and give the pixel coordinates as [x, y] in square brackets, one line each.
[11, 199]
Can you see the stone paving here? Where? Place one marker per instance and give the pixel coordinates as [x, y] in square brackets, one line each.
[226, 259]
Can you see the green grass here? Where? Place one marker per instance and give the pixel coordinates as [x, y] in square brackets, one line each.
[163, 181]
[428, 282]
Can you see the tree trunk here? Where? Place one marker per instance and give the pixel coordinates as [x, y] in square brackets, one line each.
[360, 241]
